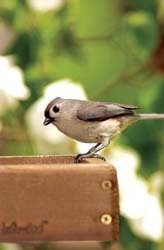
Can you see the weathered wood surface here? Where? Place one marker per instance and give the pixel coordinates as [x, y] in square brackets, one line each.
[52, 198]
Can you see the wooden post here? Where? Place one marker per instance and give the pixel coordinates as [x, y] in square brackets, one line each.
[53, 198]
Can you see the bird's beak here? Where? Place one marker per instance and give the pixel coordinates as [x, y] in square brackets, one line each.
[47, 121]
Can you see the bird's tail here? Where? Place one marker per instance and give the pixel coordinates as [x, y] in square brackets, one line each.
[149, 116]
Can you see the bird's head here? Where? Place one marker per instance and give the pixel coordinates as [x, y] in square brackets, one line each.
[53, 111]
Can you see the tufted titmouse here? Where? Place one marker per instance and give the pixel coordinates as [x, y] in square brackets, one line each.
[92, 122]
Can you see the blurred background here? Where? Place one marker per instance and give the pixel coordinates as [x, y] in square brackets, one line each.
[100, 50]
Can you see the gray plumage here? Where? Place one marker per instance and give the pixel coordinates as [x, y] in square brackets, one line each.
[96, 111]
[95, 122]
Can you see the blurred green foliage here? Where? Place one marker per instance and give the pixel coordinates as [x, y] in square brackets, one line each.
[108, 46]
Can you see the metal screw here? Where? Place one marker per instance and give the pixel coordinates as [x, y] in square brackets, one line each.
[106, 185]
[106, 219]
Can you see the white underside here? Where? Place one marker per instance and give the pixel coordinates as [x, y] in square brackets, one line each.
[90, 132]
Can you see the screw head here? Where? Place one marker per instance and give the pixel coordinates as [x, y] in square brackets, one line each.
[106, 185]
[106, 219]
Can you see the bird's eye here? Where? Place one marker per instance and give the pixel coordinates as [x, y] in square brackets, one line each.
[56, 109]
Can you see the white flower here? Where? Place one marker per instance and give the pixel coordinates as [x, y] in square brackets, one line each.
[49, 139]
[126, 162]
[138, 203]
[12, 86]
[157, 182]
[64, 88]
[43, 5]
[151, 223]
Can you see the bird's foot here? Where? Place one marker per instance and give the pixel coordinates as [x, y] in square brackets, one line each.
[80, 157]
[99, 157]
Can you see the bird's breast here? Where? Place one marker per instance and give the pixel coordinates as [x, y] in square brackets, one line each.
[109, 128]
[90, 132]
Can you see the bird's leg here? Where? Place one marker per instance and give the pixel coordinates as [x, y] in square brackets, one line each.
[79, 157]
[89, 153]
[93, 148]
[92, 152]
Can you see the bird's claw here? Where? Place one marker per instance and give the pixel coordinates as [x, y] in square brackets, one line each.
[80, 157]
[99, 157]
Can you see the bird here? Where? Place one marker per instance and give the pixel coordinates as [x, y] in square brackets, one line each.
[92, 121]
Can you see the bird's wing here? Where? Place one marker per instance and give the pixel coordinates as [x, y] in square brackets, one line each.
[95, 111]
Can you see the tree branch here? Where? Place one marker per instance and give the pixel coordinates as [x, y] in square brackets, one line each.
[125, 77]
